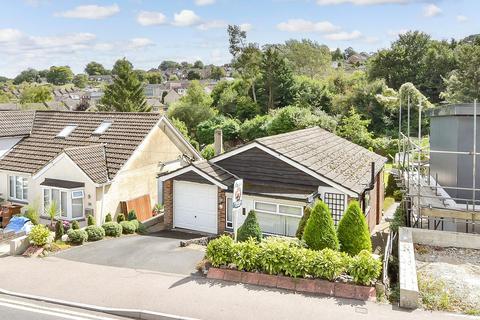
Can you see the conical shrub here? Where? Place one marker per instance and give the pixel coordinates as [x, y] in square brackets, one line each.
[303, 222]
[320, 230]
[353, 233]
[250, 228]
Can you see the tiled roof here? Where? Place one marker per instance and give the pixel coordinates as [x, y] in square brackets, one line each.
[30, 155]
[91, 159]
[329, 155]
[16, 123]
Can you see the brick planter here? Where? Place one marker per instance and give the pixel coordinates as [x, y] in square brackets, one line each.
[314, 286]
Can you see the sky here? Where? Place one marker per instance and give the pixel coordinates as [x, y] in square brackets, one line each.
[41, 33]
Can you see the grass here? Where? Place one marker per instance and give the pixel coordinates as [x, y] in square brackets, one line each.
[387, 203]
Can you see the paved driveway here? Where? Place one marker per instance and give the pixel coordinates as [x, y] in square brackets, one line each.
[156, 252]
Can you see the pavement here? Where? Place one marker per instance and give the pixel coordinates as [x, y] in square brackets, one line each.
[183, 295]
[156, 252]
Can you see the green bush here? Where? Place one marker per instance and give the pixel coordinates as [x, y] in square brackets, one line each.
[364, 268]
[208, 152]
[77, 236]
[254, 128]
[31, 213]
[398, 195]
[399, 219]
[95, 233]
[136, 223]
[320, 231]
[245, 254]
[120, 217]
[273, 255]
[391, 186]
[303, 222]
[220, 251]
[250, 228]
[39, 235]
[90, 220]
[59, 231]
[112, 229]
[206, 129]
[108, 218]
[132, 215]
[328, 264]
[298, 262]
[353, 233]
[127, 227]
[75, 225]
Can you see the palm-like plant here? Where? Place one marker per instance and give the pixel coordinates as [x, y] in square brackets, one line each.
[52, 210]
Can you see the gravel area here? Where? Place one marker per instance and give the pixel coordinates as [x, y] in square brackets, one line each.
[457, 268]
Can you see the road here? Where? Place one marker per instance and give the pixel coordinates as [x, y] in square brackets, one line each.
[12, 308]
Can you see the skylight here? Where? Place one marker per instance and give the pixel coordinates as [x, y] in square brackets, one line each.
[103, 127]
[66, 131]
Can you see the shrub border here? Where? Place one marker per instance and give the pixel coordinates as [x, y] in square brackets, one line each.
[315, 286]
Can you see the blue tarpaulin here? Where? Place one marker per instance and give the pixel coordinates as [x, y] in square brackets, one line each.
[17, 224]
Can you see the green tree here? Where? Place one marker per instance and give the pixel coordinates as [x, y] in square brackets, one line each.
[294, 118]
[5, 97]
[307, 57]
[250, 228]
[59, 75]
[320, 230]
[198, 64]
[141, 75]
[355, 129]
[95, 69]
[154, 77]
[36, 94]
[29, 75]
[353, 233]
[337, 55]
[126, 93]
[193, 75]
[311, 93]
[206, 129]
[208, 152]
[254, 128]
[217, 73]
[80, 80]
[164, 65]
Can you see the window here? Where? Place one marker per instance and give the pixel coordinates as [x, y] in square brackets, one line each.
[229, 220]
[336, 203]
[103, 127]
[18, 188]
[367, 202]
[278, 218]
[69, 203]
[66, 131]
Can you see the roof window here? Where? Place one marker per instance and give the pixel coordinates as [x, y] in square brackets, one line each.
[103, 127]
[66, 131]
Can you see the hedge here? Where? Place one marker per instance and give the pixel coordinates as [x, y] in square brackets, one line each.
[112, 229]
[127, 227]
[283, 256]
[95, 233]
[77, 236]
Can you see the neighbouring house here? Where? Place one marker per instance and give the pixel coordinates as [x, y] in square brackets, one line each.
[281, 174]
[86, 162]
[171, 97]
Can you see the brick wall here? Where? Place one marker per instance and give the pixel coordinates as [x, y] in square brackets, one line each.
[168, 203]
[222, 211]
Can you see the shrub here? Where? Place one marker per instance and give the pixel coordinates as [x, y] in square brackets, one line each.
[320, 231]
[77, 236]
[245, 254]
[127, 227]
[31, 213]
[364, 268]
[59, 230]
[206, 129]
[254, 128]
[328, 264]
[112, 229]
[90, 220]
[142, 229]
[95, 233]
[303, 222]
[208, 152]
[398, 195]
[108, 218]
[120, 217]
[66, 226]
[399, 219]
[353, 233]
[273, 255]
[136, 223]
[75, 225]
[250, 228]
[39, 235]
[391, 185]
[132, 215]
[298, 261]
[220, 251]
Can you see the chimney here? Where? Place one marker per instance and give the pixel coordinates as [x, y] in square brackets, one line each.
[218, 141]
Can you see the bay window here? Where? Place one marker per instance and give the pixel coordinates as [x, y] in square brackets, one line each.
[18, 188]
[69, 202]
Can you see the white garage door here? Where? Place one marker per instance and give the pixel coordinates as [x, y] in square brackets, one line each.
[195, 206]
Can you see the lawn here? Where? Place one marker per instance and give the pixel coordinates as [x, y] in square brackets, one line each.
[387, 203]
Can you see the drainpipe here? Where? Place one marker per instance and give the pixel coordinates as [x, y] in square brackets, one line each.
[370, 187]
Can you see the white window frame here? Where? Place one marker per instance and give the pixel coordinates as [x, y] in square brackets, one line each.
[12, 192]
[277, 211]
[70, 197]
[67, 131]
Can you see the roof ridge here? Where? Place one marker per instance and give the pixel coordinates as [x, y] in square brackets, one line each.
[86, 146]
[290, 132]
[97, 112]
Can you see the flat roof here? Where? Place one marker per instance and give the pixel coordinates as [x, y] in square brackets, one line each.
[460, 109]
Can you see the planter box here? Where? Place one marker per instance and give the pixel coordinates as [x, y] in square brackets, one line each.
[313, 286]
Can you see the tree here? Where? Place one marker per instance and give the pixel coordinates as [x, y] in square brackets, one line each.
[185, 65]
[307, 57]
[353, 128]
[192, 108]
[193, 75]
[311, 93]
[168, 64]
[320, 231]
[353, 232]
[198, 64]
[59, 75]
[80, 80]
[208, 152]
[206, 129]
[182, 127]
[154, 77]
[236, 39]
[303, 222]
[141, 75]
[250, 228]
[254, 128]
[95, 69]
[5, 97]
[217, 73]
[126, 93]
[29, 75]
[337, 55]
[348, 52]
[36, 94]
[293, 118]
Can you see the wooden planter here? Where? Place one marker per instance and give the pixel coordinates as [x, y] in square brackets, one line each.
[313, 286]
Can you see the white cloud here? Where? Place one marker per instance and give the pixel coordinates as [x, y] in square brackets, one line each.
[372, 40]
[185, 18]
[461, 18]
[139, 43]
[246, 27]
[431, 10]
[300, 25]
[361, 2]
[214, 24]
[344, 36]
[151, 18]
[8, 35]
[204, 2]
[396, 33]
[90, 12]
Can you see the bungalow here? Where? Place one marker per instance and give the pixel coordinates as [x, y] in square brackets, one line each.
[281, 174]
[86, 162]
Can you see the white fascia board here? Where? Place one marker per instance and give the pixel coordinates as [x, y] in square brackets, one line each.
[197, 171]
[180, 137]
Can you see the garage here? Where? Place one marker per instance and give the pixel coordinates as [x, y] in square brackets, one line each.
[195, 206]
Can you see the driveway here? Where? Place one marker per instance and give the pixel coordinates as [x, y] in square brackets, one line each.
[156, 252]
